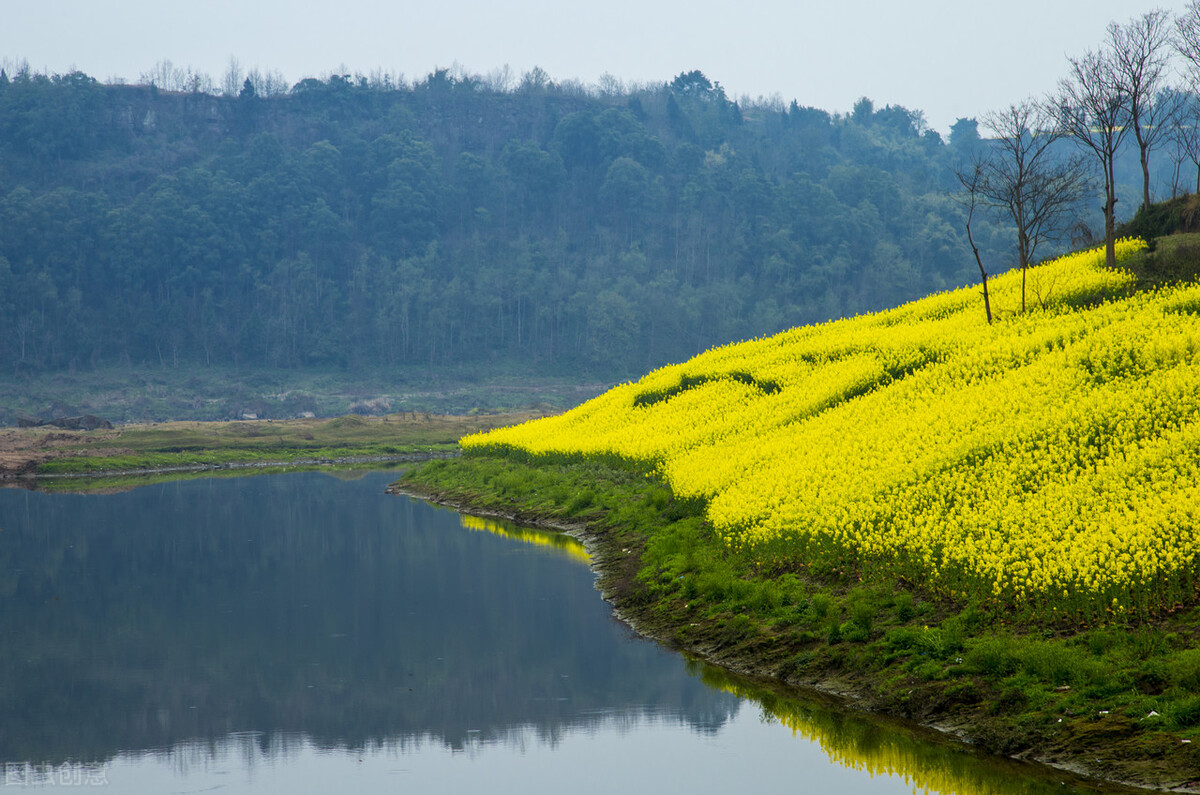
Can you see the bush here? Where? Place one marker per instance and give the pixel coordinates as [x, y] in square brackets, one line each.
[715, 585]
[941, 642]
[930, 670]
[993, 657]
[658, 499]
[853, 632]
[1151, 677]
[1182, 713]
[1012, 699]
[581, 501]
[902, 639]
[765, 599]
[1183, 670]
[1099, 641]
[1157, 220]
[862, 614]
[1063, 665]
[904, 607]
[736, 629]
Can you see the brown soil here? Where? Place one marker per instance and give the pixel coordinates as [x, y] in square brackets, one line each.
[22, 449]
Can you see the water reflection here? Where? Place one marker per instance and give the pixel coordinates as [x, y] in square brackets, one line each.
[300, 604]
[879, 747]
[527, 535]
[315, 634]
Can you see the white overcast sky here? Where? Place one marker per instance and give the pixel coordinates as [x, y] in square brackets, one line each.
[948, 58]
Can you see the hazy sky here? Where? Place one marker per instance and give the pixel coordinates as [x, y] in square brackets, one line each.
[948, 58]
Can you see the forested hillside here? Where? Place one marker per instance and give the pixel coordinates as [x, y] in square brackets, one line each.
[361, 224]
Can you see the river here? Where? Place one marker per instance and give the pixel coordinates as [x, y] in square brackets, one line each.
[306, 632]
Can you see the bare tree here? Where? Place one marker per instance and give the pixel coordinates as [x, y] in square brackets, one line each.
[270, 83]
[971, 179]
[1187, 36]
[386, 80]
[1140, 54]
[168, 77]
[1186, 135]
[231, 82]
[1092, 108]
[501, 80]
[1187, 45]
[1030, 180]
[165, 76]
[1178, 154]
[199, 83]
[609, 86]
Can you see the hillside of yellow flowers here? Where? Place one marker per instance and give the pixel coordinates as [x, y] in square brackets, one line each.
[1049, 461]
[990, 526]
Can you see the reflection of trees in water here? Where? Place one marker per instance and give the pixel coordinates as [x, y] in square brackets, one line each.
[299, 607]
[250, 748]
[263, 617]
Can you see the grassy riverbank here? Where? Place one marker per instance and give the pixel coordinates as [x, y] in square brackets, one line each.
[988, 527]
[33, 452]
[1115, 700]
[141, 395]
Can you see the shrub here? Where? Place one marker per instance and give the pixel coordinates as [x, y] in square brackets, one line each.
[862, 614]
[1183, 670]
[993, 657]
[1182, 713]
[904, 606]
[581, 501]
[902, 638]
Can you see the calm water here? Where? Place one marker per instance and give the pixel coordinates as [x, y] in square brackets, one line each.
[304, 633]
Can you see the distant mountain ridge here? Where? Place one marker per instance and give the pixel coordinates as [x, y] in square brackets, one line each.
[347, 224]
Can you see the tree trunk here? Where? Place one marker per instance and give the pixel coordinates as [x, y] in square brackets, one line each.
[1145, 177]
[1023, 256]
[987, 303]
[1110, 221]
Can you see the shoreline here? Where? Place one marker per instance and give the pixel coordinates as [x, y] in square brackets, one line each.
[281, 464]
[616, 563]
[28, 454]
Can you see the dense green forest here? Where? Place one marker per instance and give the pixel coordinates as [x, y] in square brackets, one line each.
[364, 224]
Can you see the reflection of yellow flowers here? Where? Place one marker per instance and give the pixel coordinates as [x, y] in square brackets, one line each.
[546, 538]
[858, 743]
[1050, 460]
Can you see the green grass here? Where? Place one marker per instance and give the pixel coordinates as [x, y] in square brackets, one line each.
[198, 444]
[215, 458]
[110, 484]
[163, 394]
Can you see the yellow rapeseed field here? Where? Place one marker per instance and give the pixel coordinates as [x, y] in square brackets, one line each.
[1048, 461]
